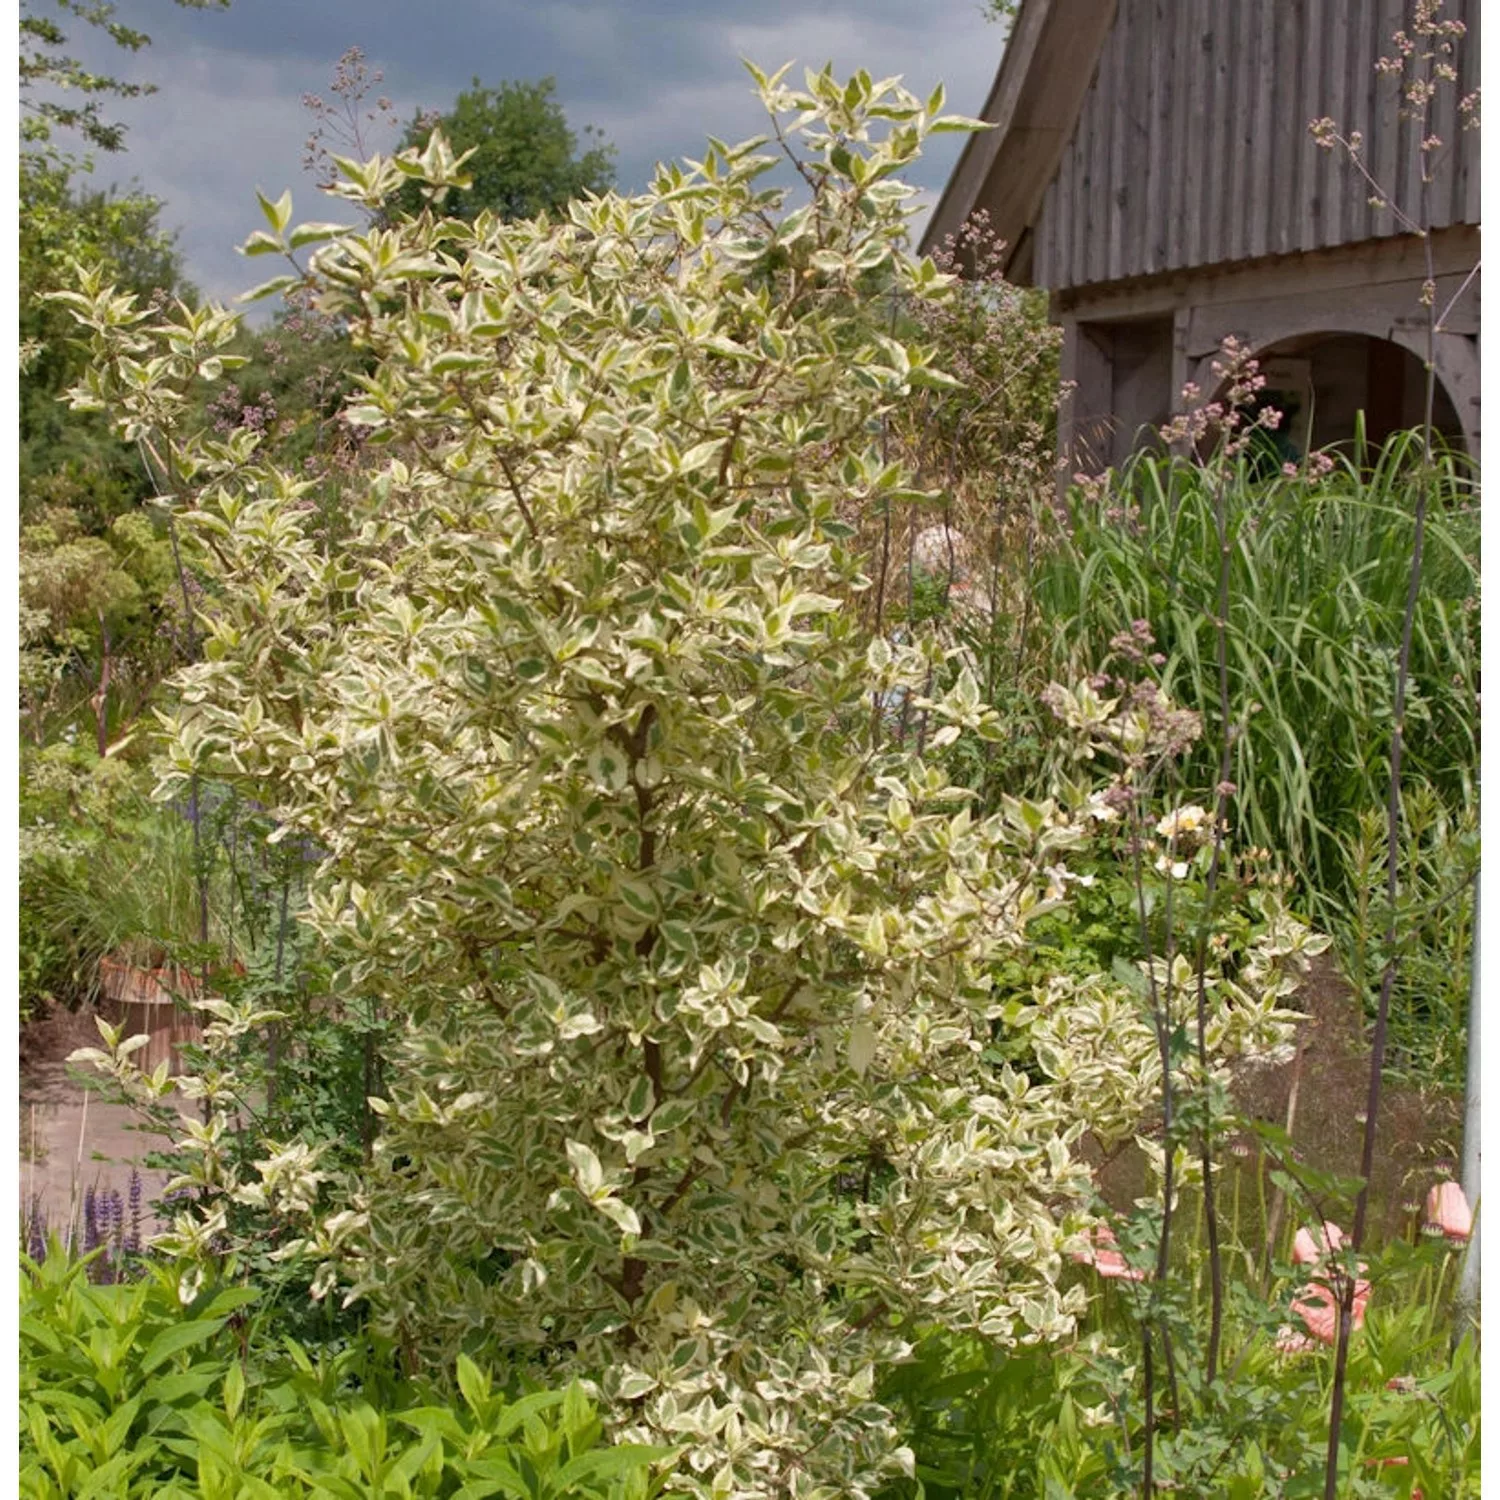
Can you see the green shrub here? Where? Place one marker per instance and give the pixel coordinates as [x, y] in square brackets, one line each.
[691, 967]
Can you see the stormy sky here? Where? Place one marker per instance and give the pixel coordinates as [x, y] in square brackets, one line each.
[655, 76]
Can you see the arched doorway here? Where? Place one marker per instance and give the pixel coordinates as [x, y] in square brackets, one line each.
[1322, 382]
[1377, 369]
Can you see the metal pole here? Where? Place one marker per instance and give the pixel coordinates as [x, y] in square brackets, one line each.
[1467, 1298]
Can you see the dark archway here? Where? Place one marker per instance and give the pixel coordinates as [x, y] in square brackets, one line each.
[1323, 382]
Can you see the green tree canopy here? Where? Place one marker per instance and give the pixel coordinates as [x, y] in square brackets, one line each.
[51, 79]
[526, 156]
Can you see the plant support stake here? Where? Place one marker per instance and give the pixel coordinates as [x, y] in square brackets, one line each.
[1467, 1301]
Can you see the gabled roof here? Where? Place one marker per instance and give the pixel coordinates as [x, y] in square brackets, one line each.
[1049, 59]
[1133, 138]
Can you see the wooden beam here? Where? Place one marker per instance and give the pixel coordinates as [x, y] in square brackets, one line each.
[1044, 73]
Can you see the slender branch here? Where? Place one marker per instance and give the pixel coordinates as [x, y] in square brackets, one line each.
[1452, 302]
[1163, 1047]
[520, 499]
[1221, 813]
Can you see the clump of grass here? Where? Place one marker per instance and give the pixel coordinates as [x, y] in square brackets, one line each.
[1319, 569]
[132, 893]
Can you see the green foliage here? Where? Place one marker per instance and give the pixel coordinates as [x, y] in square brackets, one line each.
[69, 458]
[85, 547]
[83, 585]
[1438, 853]
[94, 571]
[1064, 1422]
[129, 1390]
[524, 156]
[297, 375]
[102, 869]
[106, 874]
[985, 1422]
[726, 1052]
[47, 72]
[62, 222]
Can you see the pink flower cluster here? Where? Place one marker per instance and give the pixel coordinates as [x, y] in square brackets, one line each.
[1317, 1304]
[1103, 1254]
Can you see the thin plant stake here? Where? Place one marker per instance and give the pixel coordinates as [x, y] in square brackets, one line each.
[73, 1201]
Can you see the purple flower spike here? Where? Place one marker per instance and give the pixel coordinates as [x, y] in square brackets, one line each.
[133, 1237]
[90, 1222]
[36, 1246]
[115, 1231]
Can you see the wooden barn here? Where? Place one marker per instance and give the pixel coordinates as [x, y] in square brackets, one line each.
[1151, 165]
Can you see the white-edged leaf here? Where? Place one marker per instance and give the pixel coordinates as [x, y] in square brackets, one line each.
[587, 1172]
[622, 1215]
[862, 1042]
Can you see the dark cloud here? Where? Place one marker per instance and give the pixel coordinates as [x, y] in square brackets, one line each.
[656, 76]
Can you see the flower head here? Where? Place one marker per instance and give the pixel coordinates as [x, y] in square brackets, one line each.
[1103, 1254]
[1448, 1212]
[1310, 1246]
[1317, 1303]
[1187, 819]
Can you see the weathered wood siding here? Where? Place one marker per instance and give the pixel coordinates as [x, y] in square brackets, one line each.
[1192, 146]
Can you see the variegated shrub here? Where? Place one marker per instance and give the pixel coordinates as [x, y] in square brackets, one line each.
[693, 1095]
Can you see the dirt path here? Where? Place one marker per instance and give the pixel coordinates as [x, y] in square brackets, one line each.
[80, 1141]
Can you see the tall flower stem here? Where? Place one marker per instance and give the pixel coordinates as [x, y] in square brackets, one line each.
[1221, 813]
[1421, 226]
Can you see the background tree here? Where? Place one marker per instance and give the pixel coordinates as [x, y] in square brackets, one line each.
[526, 156]
[62, 222]
[100, 603]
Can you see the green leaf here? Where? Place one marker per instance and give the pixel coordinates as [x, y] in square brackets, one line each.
[474, 1385]
[671, 1115]
[278, 214]
[269, 288]
[261, 243]
[187, 1334]
[312, 234]
[620, 1214]
[601, 1465]
[862, 1045]
[957, 122]
[492, 1476]
[166, 1390]
[234, 1390]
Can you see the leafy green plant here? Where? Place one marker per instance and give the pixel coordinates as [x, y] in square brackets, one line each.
[101, 870]
[128, 1391]
[692, 967]
[1063, 1422]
